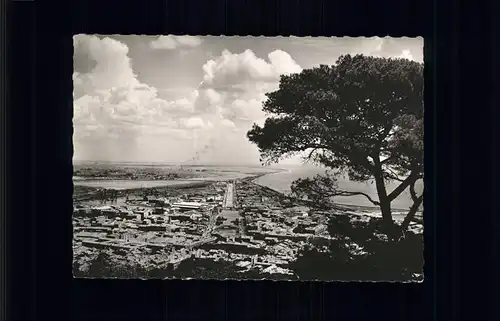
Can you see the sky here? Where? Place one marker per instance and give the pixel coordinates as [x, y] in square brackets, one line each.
[185, 98]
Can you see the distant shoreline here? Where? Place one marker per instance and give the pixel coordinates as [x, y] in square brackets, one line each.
[193, 181]
[154, 164]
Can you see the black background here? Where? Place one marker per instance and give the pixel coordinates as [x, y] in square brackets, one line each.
[460, 154]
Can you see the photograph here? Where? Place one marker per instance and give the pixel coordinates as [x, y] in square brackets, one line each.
[248, 158]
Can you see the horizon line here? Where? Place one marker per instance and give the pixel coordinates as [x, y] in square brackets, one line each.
[179, 163]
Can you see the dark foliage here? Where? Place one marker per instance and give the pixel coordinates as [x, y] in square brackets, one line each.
[104, 267]
[372, 258]
[362, 117]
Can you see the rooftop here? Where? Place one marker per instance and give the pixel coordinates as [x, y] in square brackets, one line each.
[188, 204]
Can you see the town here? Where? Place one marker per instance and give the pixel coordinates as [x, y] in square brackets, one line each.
[238, 221]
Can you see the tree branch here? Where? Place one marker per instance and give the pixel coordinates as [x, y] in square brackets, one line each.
[310, 154]
[346, 193]
[315, 146]
[383, 135]
[393, 175]
[417, 201]
[413, 194]
[342, 149]
[398, 190]
[411, 213]
[387, 160]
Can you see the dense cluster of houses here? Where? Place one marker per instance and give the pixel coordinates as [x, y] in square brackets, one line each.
[260, 233]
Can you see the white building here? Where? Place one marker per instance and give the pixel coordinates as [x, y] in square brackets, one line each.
[189, 205]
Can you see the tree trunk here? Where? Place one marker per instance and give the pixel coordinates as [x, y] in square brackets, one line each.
[406, 222]
[411, 214]
[385, 203]
[389, 228]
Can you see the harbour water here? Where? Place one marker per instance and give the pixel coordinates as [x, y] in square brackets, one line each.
[281, 182]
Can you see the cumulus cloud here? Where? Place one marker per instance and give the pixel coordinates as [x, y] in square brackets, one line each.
[179, 107]
[119, 117]
[384, 47]
[229, 100]
[234, 84]
[172, 42]
[227, 123]
[112, 107]
[406, 54]
[243, 71]
[193, 123]
[370, 46]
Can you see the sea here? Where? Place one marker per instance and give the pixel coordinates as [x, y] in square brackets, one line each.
[281, 182]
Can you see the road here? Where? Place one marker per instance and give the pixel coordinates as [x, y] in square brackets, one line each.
[229, 196]
[227, 203]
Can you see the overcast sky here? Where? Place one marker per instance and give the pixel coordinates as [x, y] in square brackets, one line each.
[177, 98]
